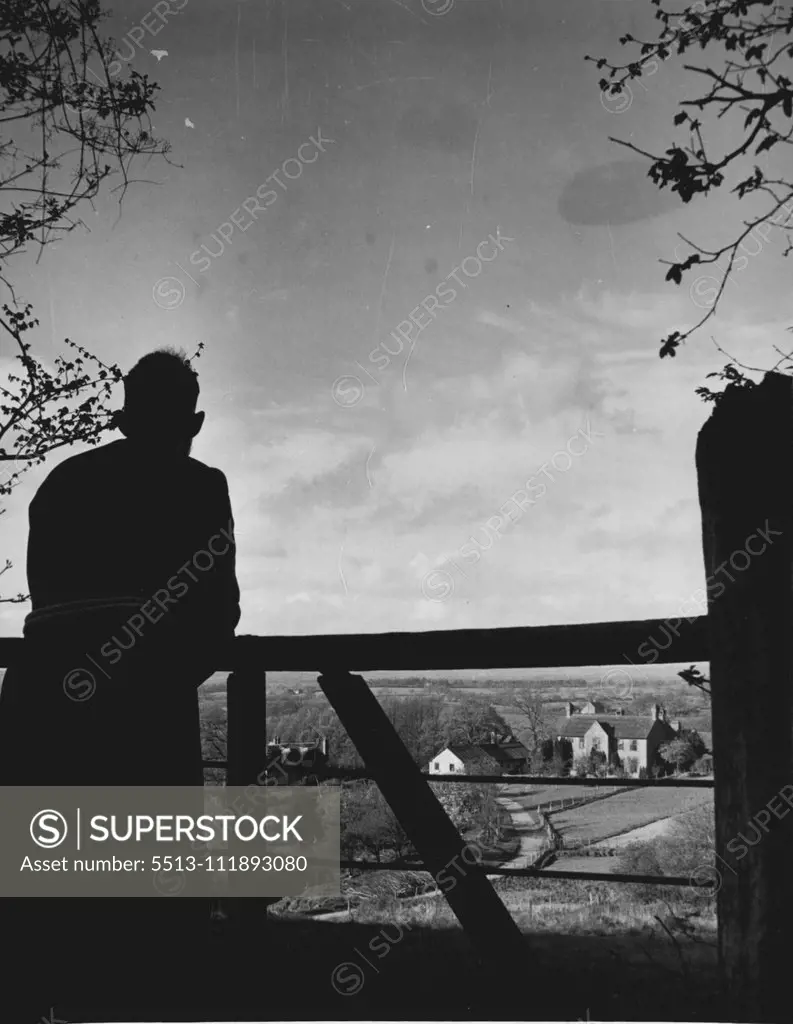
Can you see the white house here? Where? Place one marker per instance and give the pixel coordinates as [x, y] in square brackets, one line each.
[495, 758]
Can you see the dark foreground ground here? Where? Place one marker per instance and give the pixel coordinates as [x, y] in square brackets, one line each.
[294, 969]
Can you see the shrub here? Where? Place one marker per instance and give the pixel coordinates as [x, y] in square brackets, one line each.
[685, 851]
[682, 752]
[581, 765]
[597, 762]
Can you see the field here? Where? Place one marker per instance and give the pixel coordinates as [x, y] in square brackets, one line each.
[637, 686]
[625, 811]
[555, 798]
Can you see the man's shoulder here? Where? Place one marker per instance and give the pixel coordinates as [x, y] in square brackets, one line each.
[202, 472]
[84, 463]
[103, 460]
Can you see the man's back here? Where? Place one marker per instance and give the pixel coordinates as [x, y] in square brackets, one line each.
[116, 521]
[131, 569]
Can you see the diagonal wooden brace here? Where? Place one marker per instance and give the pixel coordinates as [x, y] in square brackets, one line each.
[452, 862]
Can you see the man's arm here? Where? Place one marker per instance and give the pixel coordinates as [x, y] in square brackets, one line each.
[46, 550]
[228, 591]
[216, 609]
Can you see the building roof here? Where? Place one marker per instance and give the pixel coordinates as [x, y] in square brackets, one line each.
[505, 753]
[470, 753]
[464, 751]
[621, 727]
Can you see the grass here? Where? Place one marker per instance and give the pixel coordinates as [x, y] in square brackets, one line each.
[612, 961]
[602, 865]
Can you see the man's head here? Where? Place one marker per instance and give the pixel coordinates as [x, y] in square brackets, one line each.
[160, 396]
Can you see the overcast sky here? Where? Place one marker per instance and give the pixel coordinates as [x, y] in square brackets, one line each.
[406, 140]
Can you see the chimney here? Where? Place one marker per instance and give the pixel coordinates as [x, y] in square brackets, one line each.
[677, 725]
[493, 738]
[569, 710]
[655, 712]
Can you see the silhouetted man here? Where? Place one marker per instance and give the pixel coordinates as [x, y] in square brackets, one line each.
[131, 570]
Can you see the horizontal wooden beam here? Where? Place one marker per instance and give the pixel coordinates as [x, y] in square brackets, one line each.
[534, 780]
[640, 642]
[522, 780]
[593, 643]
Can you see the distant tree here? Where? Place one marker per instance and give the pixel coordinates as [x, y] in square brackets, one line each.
[547, 749]
[420, 722]
[693, 737]
[490, 816]
[598, 762]
[554, 757]
[426, 724]
[213, 748]
[471, 720]
[369, 827]
[746, 80]
[213, 739]
[472, 808]
[681, 753]
[537, 727]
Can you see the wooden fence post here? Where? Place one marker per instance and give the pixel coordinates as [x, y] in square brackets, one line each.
[246, 756]
[464, 884]
[745, 473]
[246, 740]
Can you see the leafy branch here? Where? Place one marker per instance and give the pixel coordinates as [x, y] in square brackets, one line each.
[753, 83]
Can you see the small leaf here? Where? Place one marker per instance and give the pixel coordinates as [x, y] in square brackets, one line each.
[767, 143]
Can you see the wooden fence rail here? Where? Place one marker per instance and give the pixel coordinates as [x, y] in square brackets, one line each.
[519, 647]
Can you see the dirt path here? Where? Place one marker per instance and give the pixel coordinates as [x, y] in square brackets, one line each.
[525, 824]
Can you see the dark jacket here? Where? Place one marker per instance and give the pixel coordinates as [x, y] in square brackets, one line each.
[131, 570]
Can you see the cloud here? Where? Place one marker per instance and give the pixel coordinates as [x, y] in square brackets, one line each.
[300, 458]
[506, 323]
[615, 193]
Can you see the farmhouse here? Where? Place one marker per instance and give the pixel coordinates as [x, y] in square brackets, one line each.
[507, 757]
[632, 738]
